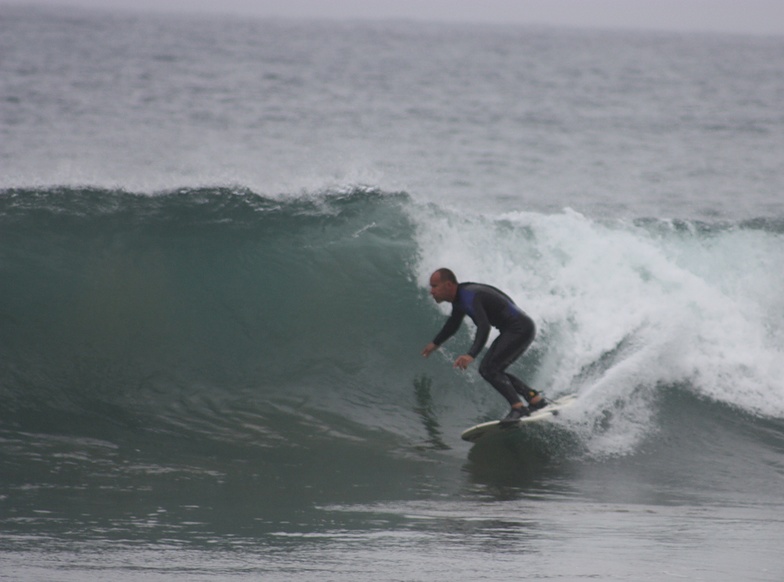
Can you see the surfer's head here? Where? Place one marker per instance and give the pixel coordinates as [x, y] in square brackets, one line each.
[443, 285]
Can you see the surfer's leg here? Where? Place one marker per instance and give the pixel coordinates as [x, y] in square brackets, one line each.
[504, 350]
[532, 397]
[522, 388]
[502, 353]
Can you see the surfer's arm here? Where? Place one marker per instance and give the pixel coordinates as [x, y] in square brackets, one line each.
[429, 349]
[482, 328]
[463, 361]
[450, 328]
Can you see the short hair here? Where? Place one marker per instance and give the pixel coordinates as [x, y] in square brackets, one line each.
[447, 275]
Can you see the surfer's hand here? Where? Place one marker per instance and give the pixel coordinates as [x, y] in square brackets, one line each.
[429, 349]
[463, 361]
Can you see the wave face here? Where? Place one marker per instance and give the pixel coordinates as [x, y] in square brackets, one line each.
[122, 306]
[159, 342]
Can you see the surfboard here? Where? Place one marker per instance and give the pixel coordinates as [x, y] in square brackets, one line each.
[478, 431]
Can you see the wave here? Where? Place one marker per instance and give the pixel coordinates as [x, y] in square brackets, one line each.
[218, 315]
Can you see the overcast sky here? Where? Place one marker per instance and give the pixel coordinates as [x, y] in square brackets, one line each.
[743, 16]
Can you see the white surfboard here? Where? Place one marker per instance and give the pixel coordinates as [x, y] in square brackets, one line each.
[478, 431]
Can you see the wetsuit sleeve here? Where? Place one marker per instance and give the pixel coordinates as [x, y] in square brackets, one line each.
[450, 327]
[482, 327]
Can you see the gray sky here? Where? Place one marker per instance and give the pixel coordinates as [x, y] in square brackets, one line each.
[743, 16]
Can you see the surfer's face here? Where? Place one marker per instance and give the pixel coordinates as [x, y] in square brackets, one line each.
[441, 290]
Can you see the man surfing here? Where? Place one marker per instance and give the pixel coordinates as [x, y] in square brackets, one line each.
[488, 306]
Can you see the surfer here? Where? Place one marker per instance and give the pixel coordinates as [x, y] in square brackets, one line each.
[488, 306]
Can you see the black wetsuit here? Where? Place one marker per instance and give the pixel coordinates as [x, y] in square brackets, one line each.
[488, 306]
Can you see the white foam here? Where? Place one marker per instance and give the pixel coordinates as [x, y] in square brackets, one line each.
[623, 312]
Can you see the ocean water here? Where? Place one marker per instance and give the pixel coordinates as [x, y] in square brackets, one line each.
[215, 240]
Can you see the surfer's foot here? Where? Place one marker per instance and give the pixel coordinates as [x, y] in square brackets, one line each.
[515, 414]
[538, 404]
